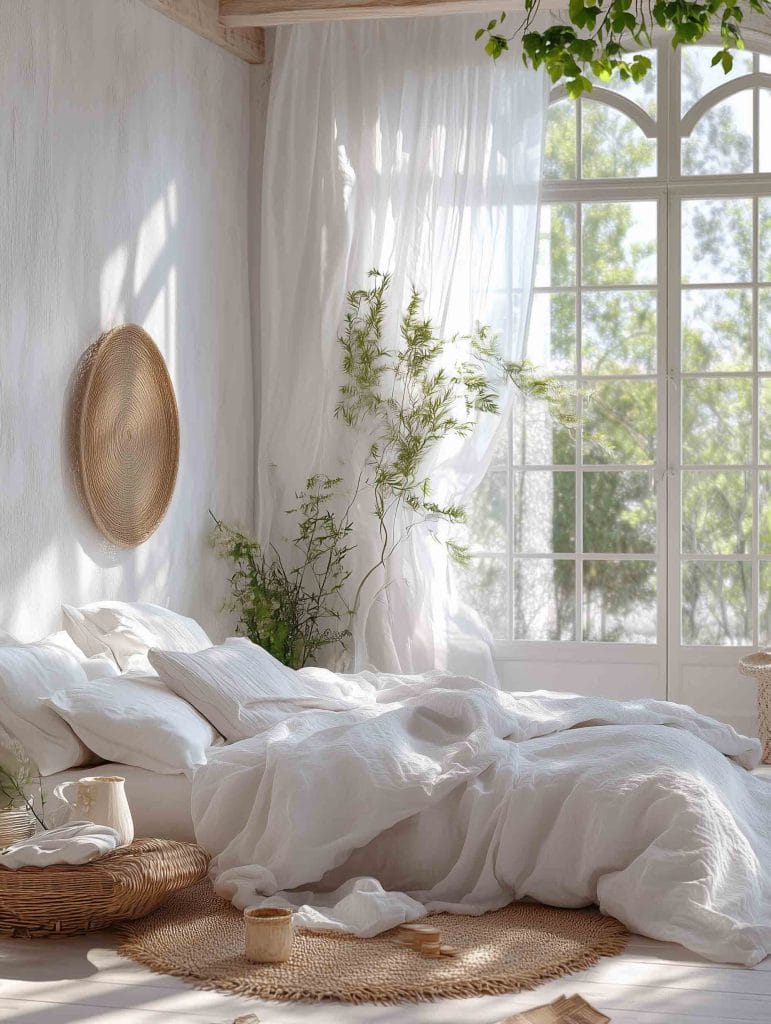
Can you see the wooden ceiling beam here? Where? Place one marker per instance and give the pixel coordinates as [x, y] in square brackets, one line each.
[203, 18]
[241, 13]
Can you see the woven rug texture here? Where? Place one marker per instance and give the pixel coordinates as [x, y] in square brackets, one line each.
[200, 937]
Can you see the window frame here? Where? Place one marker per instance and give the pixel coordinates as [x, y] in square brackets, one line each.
[668, 189]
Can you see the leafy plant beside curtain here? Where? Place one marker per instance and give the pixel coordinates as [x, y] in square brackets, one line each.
[401, 396]
[292, 610]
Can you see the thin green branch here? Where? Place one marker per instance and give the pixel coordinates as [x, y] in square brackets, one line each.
[14, 786]
[401, 399]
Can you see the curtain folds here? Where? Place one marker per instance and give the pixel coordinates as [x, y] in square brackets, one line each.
[394, 144]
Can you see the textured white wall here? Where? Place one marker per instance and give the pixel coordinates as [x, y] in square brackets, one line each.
[260, 90]
[124, 153]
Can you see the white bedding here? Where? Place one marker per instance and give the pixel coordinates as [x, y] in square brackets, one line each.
[446, 794]
[160, 804]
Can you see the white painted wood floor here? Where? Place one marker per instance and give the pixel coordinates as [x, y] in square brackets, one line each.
[83, 979]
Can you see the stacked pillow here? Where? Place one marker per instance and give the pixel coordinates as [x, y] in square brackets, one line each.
[94, 690]
[29, 675]
[243, 690]
[66, 703]
[136, 721]
[126, 632]
[98, 667]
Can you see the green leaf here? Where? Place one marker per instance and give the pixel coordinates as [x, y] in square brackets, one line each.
[575, 87]
[478, 35]
[496, 45]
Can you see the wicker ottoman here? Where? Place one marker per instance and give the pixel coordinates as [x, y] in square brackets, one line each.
[758, 667]
[64, 899]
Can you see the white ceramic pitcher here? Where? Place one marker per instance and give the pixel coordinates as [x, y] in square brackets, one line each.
[102, 800]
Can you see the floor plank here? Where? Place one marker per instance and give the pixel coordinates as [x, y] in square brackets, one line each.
[83, 979]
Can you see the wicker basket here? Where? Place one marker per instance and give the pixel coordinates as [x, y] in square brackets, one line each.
[67, 900]
[758, 667]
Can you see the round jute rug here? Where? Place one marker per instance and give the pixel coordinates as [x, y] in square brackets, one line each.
[200, 937]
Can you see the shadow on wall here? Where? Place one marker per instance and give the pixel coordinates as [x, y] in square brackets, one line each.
[125, 143]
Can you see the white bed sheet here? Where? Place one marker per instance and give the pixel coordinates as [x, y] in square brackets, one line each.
[449, 795]
[160, 804]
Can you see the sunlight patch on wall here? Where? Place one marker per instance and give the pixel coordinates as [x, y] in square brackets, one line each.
[152, 238]
[112, 282]
[155, 274]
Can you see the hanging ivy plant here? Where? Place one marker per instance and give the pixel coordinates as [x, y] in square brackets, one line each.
[600, 36]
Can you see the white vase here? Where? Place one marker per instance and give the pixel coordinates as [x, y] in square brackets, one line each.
[102, 800]
[15, 824]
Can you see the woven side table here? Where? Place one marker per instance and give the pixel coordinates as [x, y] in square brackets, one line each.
[758, 667]
[66, 899]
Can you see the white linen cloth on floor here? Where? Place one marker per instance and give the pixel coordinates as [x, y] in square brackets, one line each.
[77, 842]
[444, 794]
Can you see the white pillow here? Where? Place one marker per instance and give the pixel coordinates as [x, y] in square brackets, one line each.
[128, 631]
[29, 673]
[242, 690]
[136, 721]
[98, 667]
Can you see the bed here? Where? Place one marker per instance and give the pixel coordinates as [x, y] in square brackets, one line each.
[363, 801]
[160, 804]
[447, 795]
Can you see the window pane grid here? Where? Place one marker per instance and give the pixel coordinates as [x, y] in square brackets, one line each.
[722, 377]
[739, 95]
[592, 619]
[721, 595]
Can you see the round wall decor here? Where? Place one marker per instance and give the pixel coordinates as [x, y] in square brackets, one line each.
[126, 435]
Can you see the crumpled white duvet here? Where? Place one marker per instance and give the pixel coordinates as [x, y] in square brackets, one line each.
[442, 793]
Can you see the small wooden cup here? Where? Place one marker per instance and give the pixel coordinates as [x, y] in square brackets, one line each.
[268, 934]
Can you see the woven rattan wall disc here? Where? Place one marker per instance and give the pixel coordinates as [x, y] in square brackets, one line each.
[126, 435]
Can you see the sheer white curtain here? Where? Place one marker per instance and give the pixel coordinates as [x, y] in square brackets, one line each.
[394, 144]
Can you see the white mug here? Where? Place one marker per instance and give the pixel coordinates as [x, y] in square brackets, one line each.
[102, 800]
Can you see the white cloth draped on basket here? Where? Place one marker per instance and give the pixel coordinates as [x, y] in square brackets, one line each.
[398, 145]
[77, 842]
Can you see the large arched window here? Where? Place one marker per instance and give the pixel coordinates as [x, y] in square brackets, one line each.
[649, 556]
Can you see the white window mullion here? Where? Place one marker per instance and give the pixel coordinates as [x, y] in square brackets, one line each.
[672, 368]
[579, 511]
[755, 586]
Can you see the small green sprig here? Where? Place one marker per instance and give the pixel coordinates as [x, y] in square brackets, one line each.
[17, 779]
